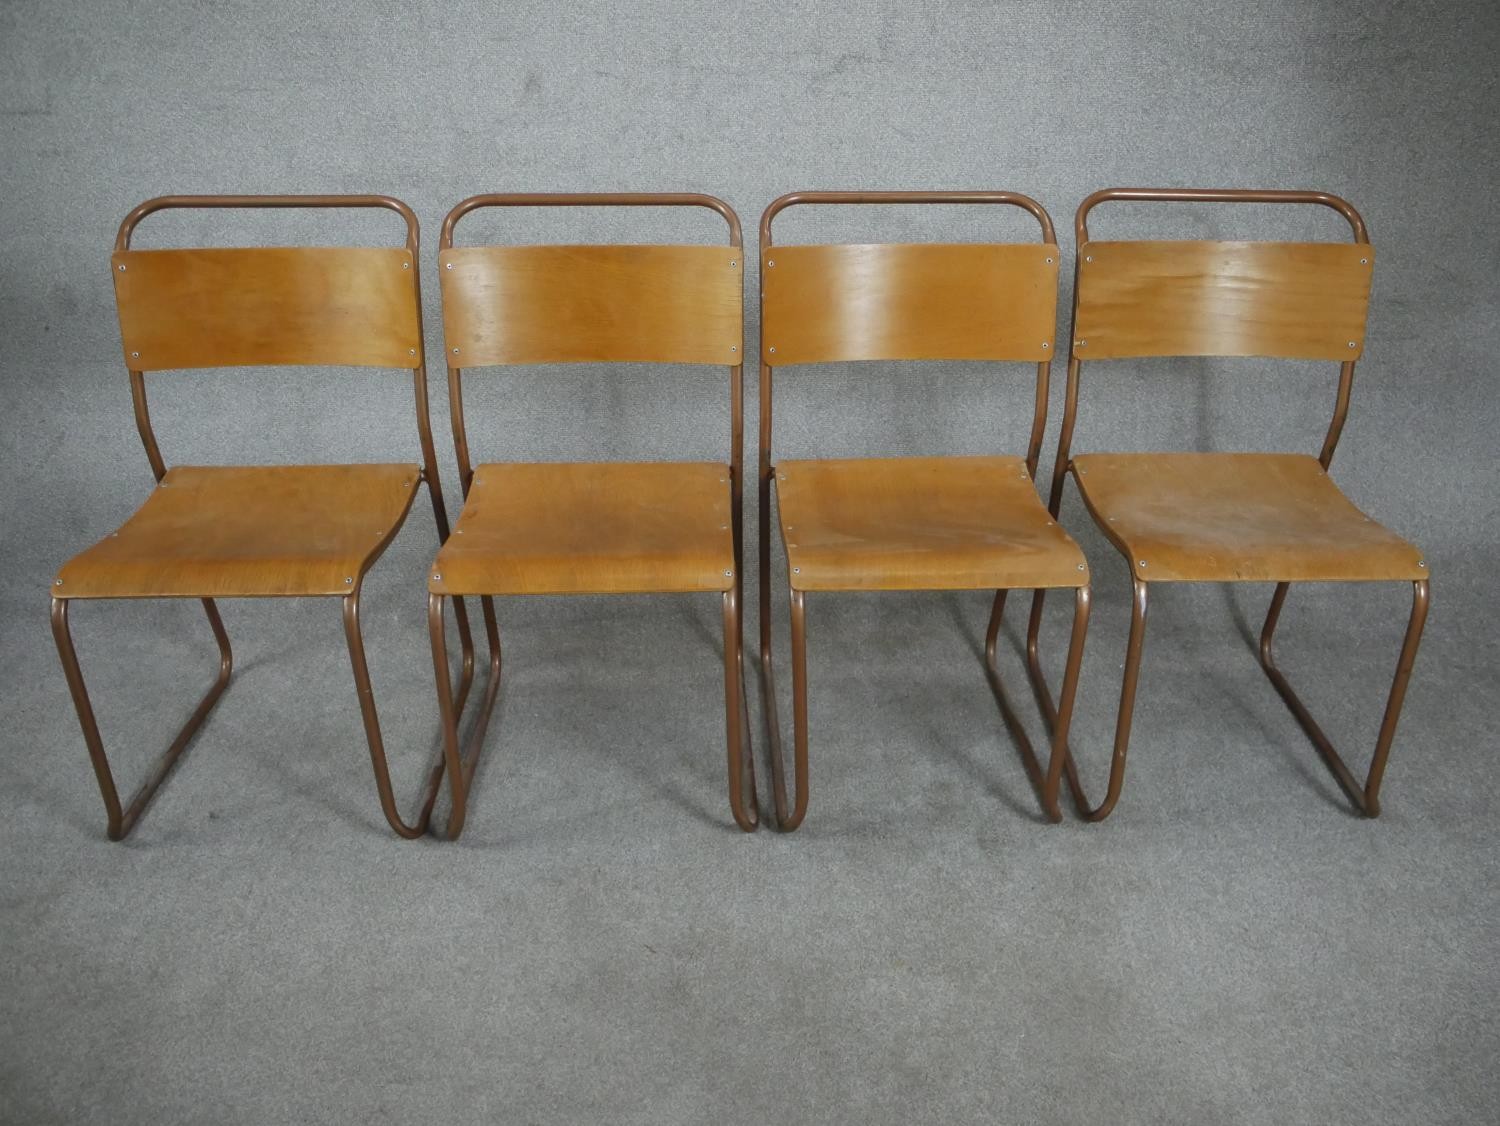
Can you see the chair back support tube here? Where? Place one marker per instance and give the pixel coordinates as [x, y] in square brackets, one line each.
[913, 301]
[249, 306]
[570, 304]
[1248, 313]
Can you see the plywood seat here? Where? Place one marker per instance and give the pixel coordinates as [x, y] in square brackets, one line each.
[591, 528]
[248, 531]
[934, 523]
[1237, 517]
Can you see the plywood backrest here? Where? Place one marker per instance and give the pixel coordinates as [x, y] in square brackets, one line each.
[917, 301]
[573, 304]
[1290, 300]
[268, 305]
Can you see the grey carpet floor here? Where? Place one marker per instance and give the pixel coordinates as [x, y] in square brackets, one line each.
[604, 946]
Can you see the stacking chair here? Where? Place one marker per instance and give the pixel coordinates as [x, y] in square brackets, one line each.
[924, 523]
[287, 531]
[595, 528]
[1229, 517]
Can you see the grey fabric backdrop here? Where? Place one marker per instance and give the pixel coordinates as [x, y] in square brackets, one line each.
[1231, 947]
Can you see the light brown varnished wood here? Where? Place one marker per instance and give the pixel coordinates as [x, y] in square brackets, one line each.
[268, 305]
[591, 528]
[921, 301]
[932, 523]
[1291, 300]
[1237, 517]
[571, 304]
[248, 531]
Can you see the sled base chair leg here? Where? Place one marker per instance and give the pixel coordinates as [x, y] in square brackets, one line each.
[460, 767]
[1366, 798]
[741, 755]
[1124, 717]
[122, 820]
[1058, 720]
[442, 763]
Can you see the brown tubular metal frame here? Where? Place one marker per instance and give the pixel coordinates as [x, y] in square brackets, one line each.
[741, 763]
[122, 819]
[1046, 783]
[1364, 797]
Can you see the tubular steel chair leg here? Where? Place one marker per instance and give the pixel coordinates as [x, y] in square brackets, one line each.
[1366, 799]
[372, 733]
[786, 821]
[460, 769]
[371, 718]
[1082, 599]
[121, 821]
[466, 655]
[737, 722]
[1057, 725]
[767, 668]
[799, 723]
[750, 786]
[1133, 650]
